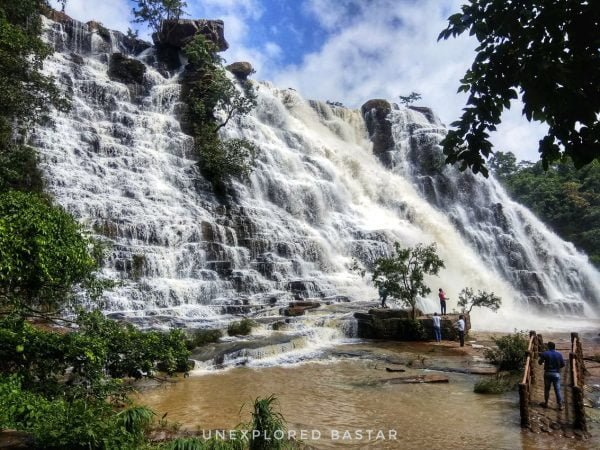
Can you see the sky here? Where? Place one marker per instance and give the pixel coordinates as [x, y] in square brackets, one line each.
[347, 51]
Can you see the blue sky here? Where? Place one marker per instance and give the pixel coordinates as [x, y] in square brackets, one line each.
[344, 50]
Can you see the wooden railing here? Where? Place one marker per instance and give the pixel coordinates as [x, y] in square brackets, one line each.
[577, 371]
[535, 343]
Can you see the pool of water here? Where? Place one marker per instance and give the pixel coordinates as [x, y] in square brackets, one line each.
[334, 400]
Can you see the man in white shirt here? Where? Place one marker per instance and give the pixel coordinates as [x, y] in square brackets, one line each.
[437, 327]
[460, 327]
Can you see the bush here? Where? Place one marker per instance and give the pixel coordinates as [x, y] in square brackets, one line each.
[200, 338]
[510, 351]
[76, 424]
[241, 328]
[496, 385]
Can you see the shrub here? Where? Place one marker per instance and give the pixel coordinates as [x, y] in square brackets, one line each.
[266, 422]
[199, 338]
[241, 328]
[510, 351]
[496, 385]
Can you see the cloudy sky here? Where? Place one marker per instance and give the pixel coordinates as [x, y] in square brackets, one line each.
[344, 50]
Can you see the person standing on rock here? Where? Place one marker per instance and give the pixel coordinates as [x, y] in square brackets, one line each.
[383, 294]
[443, 299]
[437, 327]
[460, 327]
[553, 362]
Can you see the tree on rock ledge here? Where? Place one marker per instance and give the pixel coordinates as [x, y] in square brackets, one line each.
[402, 275]
[467, 300]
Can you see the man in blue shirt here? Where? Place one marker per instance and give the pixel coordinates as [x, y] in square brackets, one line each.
[553, 362]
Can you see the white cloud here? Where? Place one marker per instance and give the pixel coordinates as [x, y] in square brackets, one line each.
[113, 14]
[386, 48]
[272, 50]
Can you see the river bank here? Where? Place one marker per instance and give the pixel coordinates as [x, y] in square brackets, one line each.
[334, 400]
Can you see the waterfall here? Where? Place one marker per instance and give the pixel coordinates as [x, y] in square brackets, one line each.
[317, 200]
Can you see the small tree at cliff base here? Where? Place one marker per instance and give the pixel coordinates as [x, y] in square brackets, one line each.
[402, 275]
[467, 300]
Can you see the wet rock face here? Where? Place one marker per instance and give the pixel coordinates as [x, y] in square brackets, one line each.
[179, 32]
[241, 69]
[126, 70]
[375, 113]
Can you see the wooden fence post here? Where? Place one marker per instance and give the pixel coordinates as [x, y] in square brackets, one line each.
[524, 404]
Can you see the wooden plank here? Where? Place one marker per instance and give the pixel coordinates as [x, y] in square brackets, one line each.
[418, 379]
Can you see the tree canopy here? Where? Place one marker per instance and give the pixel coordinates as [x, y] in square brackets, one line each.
[468, 300]
[154, 12]
[547, 52]
[402, 275]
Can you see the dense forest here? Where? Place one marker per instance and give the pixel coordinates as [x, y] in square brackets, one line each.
[565, 198]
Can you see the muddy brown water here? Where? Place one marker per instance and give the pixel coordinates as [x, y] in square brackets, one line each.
[334, 402]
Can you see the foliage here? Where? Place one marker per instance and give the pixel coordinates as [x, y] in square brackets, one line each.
[213, 99]
[58, 423]
[467, 300]
[495, 385]
[565, 198]
[43, 252]
[268, 425]
[403, 274]
[545, 51]
[19, 168]
[26, 95]
[241, 328]
[510, 351]
[154, 12]
[208, 444]
[97, 355]
[199, 338]
[410, 98]
[220, 160]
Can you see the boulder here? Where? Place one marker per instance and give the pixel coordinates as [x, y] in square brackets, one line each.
[375, 113]
[126, 70]
[241, 69]
[100, 29]
[396, 324]
[179, 32]
[56, 16]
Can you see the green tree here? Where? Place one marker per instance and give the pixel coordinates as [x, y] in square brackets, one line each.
[153, 12]
[410, 98]
[547, 52]
[402, 275]
[213, 99]
[468, 300]
[43, 252]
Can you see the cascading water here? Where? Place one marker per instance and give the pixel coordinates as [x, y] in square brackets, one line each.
[317, 199]
[545, 270]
